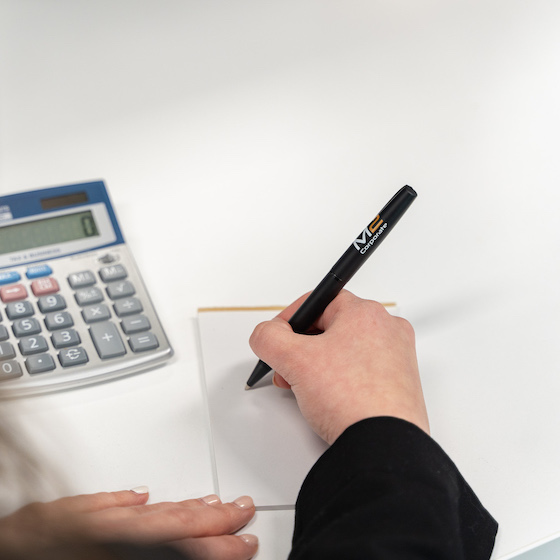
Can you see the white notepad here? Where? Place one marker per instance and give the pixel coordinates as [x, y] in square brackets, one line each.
[262, 445]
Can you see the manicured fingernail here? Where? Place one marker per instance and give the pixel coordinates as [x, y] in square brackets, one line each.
[251, 540]
[244, 502]
[140, 490]
[211, 499]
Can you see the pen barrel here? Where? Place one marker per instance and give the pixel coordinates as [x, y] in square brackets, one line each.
[312, 308]
[373, 235]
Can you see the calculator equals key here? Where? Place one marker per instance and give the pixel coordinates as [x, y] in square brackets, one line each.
[75, 310]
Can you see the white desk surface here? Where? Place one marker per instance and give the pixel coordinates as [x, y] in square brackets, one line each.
[245, 144]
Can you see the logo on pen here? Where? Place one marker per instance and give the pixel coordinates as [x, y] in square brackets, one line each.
[370, 235]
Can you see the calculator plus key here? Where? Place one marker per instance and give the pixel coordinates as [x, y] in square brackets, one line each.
[107, 340]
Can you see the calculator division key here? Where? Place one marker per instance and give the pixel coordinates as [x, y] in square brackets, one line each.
[7, 351]
[44, 286]
[89, 296]
[107, 340]
[65, 338]
[95, 313]
[10, 370]
[82, 279]
[54, 302]
[58, 320]
[128, 306]
[32, 345]
[118, 290]
[73, 357]
[135, 324]
[13, 293]
[26, 327]
[143, 342]
[19, 309]
[113, 273]
[39, 363]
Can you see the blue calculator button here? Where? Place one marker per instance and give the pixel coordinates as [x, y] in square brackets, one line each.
[9, 277]
[38, 271]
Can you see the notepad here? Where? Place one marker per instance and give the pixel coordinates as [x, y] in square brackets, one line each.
[262, 445]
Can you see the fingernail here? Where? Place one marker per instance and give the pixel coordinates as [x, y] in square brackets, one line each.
[244, 502]
[211, 499]
[140, 490]
[251, 540]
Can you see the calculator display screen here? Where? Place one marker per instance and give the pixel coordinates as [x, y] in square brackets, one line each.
[48, 231]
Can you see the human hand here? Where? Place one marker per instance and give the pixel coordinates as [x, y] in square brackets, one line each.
[362, 364]
[200, 528]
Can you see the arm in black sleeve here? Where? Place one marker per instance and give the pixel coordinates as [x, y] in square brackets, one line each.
[385, 490]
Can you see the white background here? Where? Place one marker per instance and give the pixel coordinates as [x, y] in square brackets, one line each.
[245, 144]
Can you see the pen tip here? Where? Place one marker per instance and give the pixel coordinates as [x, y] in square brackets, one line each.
[247, 388]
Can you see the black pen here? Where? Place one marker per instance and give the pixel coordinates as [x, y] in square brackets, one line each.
[345, 268]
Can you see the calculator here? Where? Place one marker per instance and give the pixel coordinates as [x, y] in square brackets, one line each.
[73, 307]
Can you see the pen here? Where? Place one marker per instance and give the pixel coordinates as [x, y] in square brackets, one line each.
[344, 269]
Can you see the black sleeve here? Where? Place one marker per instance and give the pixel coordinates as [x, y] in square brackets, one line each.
[385, 490]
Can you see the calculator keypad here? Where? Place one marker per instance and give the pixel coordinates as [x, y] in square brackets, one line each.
[61, 322]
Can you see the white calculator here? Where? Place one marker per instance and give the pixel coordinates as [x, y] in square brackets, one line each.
[73, 307]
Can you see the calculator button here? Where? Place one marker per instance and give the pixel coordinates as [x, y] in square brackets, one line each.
[107, 340]
[113, 272]
[26, 327]
[95, 313]
[7, 351]
[143, 342]
[51, 303]
[73, 357]
[4, 334]
[65, 338]
[9, 277]
[19, 309]
[13, 293]
[89, 296]
[118, 290]
[58, 320]
[39, 363]
[82, 279]
[10, 370]
[129, 306]
[135, 324]
[38, 271]
[33, 345]
[44, 286]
